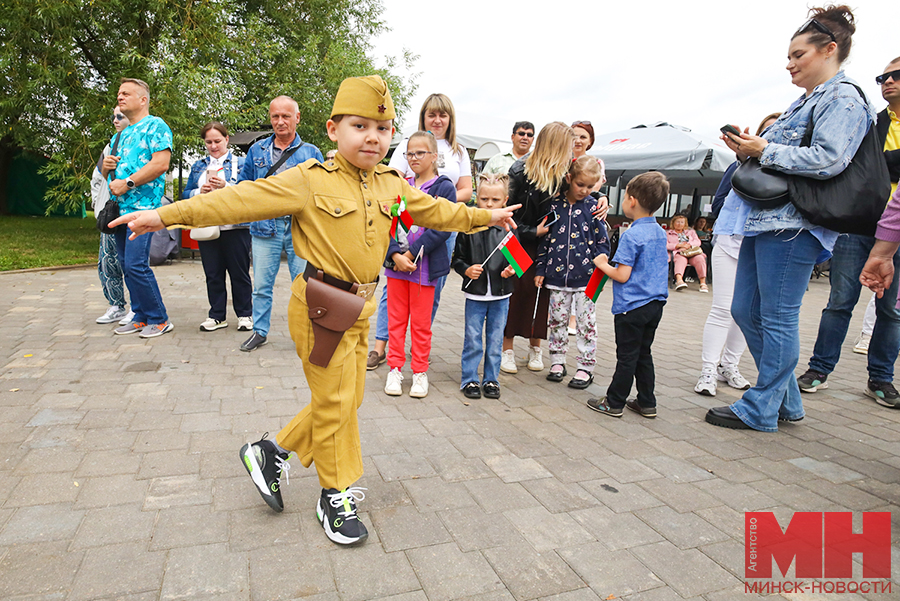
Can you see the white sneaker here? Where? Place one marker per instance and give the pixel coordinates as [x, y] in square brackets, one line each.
[392, 387]
[127, 319]
[535, 363]
[508, 362]
[706, 385]
[112, 314]
[419, 389]
[245, 324]
[730, 374]
[861, 346]
[212, 324]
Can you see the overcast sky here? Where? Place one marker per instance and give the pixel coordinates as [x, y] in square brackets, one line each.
[699, 64]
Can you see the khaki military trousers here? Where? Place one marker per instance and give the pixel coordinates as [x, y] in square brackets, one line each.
[326, 432]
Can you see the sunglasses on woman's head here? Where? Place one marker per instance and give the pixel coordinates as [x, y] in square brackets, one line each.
[882, 79]
[817, 25]
[577, 123]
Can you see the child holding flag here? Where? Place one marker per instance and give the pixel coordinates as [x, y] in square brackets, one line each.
[419, 258]
[565, 262]
[640, 289]
[486, 264]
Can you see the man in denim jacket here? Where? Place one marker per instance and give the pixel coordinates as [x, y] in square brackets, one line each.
[272, 236]
[850, 254]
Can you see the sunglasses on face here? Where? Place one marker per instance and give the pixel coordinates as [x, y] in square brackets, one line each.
[882, 79]
[418, 155]
[817, 25]
[118, 117]
[525, 134]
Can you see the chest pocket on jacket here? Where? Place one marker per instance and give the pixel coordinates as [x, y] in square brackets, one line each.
[794, 135]
[385, 206]
[335, 205]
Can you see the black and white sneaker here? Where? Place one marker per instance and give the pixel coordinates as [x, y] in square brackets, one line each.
[337, 514]
[266, 464]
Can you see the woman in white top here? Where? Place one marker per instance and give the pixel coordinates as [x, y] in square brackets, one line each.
[439, 117]
[230, 251]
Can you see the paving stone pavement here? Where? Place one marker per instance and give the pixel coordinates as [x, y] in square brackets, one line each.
[119, 474]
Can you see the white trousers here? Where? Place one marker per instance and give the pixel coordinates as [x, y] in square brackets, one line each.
[723, 342]
[869, 319]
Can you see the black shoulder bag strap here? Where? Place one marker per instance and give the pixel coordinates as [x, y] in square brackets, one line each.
[115, 146]
[284, 156]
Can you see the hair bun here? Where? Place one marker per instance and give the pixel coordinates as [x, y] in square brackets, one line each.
[840, 14]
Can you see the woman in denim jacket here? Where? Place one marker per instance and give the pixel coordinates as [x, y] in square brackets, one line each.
[780, 247]
[231, 250]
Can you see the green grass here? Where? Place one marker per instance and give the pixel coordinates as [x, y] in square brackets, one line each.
[27, 242]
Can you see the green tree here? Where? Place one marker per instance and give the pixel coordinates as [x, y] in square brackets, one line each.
[61, 61]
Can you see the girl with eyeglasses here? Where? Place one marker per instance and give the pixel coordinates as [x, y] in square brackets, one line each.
[780, 247]
[439, 118]
[417, 260]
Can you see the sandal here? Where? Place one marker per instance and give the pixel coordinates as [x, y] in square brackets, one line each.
[704, 288]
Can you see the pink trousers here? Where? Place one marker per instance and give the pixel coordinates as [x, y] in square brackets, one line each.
[698, 262]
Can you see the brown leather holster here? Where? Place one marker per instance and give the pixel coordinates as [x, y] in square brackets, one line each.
[332, 312]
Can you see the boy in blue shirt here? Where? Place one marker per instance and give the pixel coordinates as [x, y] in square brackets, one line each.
[640, 289]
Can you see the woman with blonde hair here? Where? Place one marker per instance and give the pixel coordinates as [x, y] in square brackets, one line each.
[533, 182]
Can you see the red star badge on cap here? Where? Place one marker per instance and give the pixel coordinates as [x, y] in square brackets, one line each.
[381, 108]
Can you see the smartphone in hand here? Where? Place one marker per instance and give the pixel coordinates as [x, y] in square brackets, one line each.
[730, 129]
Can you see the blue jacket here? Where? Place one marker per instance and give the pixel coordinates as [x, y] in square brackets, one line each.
[257, 164]
[191, 189]
[566, 254]
[433, 242]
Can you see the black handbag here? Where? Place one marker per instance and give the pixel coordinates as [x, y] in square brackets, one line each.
[761, 187]
[852, 201]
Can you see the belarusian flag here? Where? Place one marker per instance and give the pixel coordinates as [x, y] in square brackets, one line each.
[595, 285]
[515, 254]
[400, 216]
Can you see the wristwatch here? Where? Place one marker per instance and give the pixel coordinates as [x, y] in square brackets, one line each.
[130, 183]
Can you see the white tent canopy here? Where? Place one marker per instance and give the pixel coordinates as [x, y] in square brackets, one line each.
[693, 163]
[489, 149]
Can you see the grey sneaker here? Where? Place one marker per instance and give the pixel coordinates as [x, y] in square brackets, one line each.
[812, 381]
[706, 385]
[127, 319]
[113, 314]
[156, 329]
[132, 327]
[884, 393]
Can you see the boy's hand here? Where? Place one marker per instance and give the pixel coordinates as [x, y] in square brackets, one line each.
[139, 223]
[503, 217]
[401, 263]
[474, 272]
[601, 259]
[508, 272]
[538, 281]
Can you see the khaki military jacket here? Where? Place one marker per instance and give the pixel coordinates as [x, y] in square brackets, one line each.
[340, 214]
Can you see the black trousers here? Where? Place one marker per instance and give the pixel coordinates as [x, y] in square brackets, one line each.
[229, 252]
[635, 331]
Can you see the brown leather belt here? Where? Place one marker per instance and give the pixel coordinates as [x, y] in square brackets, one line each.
[365, 291]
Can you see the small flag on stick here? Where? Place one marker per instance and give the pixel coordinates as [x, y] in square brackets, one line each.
[515, 254]
[595, 285]
[400, 216]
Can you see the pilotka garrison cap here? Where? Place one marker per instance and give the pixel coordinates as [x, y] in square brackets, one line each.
[364, 96]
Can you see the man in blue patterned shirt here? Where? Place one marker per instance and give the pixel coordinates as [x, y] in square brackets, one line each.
[137, 178]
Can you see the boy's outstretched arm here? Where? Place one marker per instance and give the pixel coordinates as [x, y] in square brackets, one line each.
[619, 274]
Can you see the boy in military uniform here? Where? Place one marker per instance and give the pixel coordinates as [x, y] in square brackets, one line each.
[341, 218]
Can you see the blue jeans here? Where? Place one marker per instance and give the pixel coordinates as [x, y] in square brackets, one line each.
[439, 283]
[490, 316]
[109, 268]
[266, 262]
[134, 255]
[772, 276]
[850, 254]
